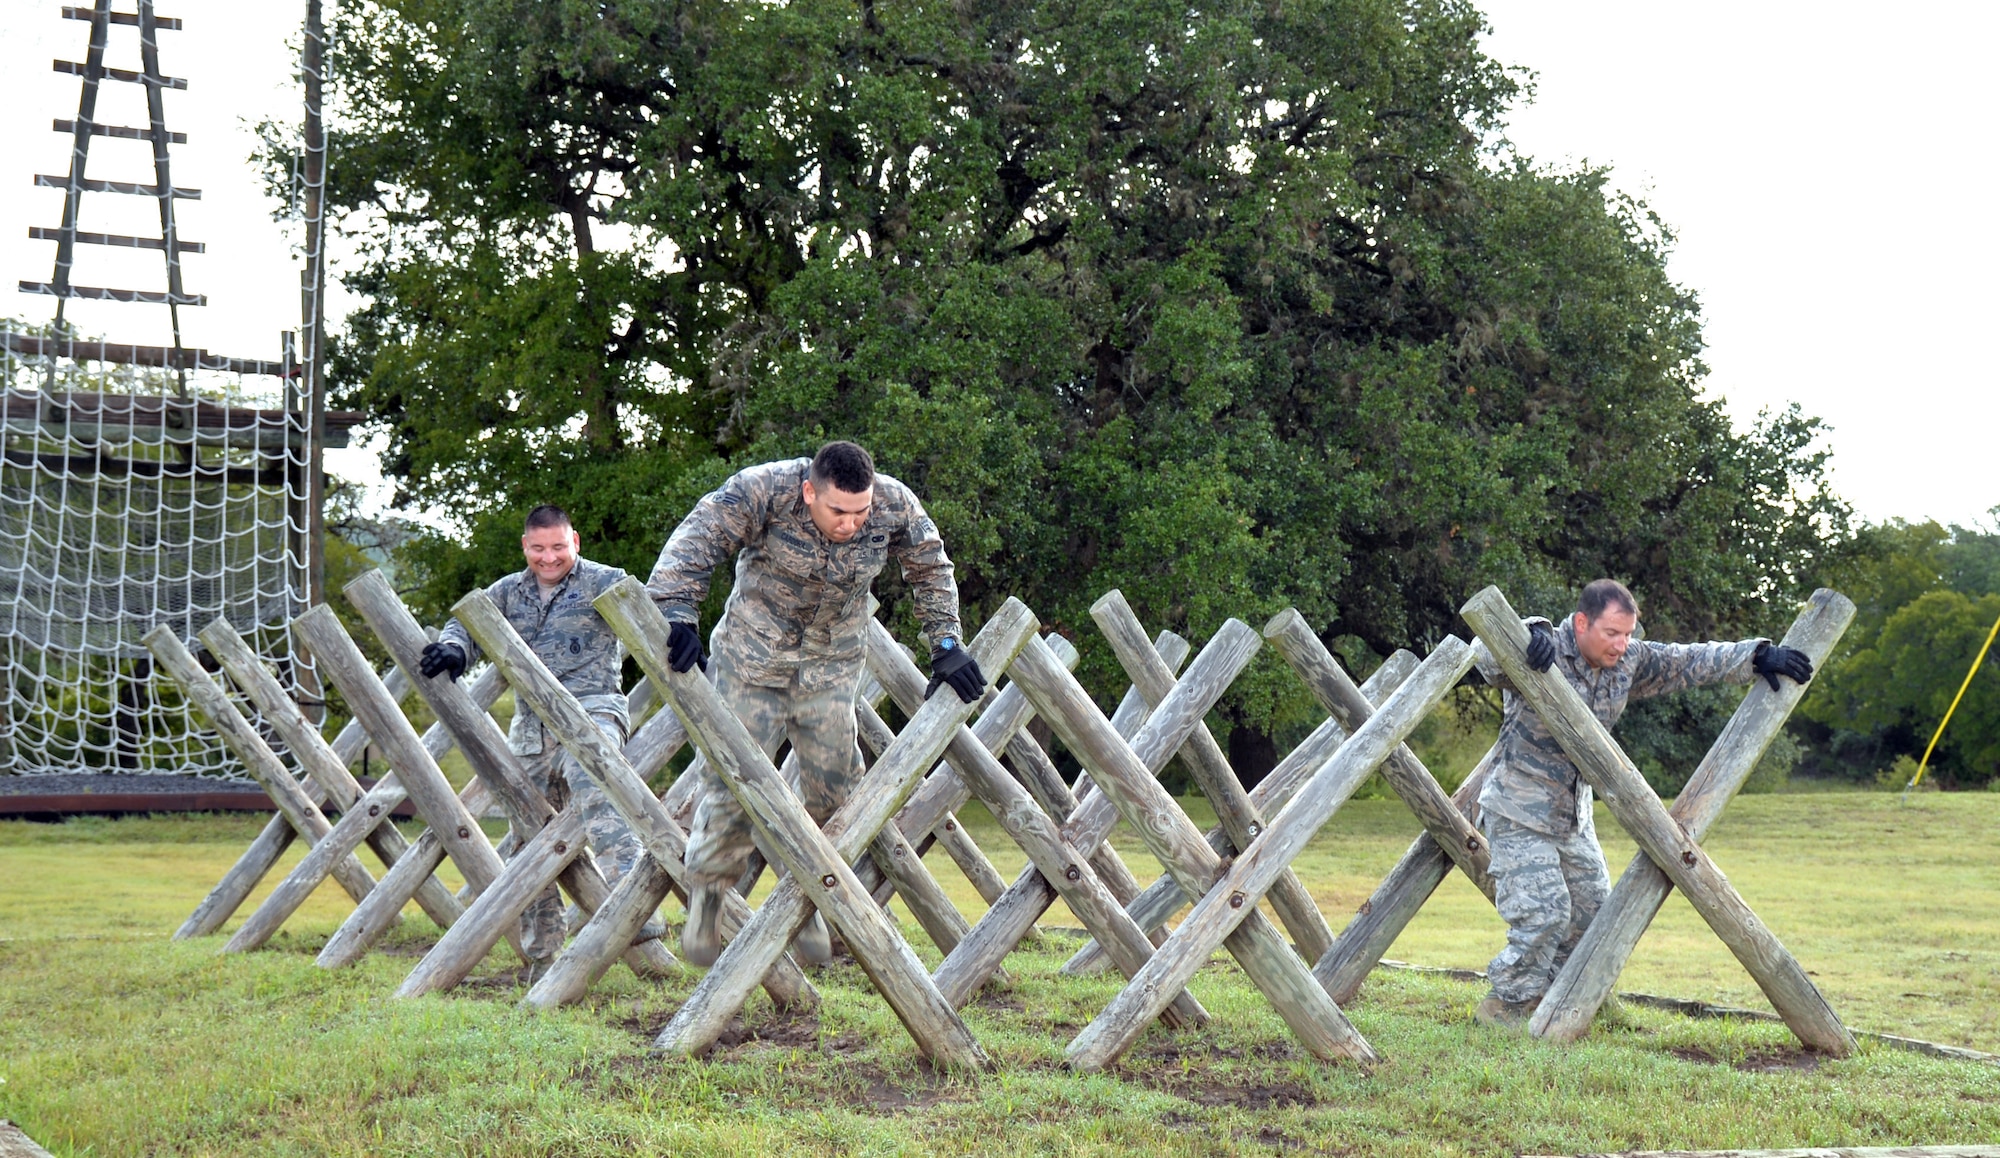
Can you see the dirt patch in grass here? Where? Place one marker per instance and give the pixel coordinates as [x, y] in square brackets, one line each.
[1192, 1074]
[1758, 1061]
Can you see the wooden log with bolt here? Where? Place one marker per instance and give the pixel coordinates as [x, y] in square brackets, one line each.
[819, 857]
[262, 854]
[329, 771]
[1229, 895]
[820, 865]
[1163, 898]
[1127, 783]
[663, 841]
[263, 764]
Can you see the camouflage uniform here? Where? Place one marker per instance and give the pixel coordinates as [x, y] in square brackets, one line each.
[788, 650]
[579, 649]
[1548, 870]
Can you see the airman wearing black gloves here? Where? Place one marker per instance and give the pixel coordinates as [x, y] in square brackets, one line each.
[1548, 871]
[809, 536]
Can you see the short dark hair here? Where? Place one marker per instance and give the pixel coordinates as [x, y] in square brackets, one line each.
[546, 515]
[848, 467]
[1600, 594]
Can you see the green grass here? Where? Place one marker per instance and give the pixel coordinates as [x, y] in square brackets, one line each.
[115, 1040]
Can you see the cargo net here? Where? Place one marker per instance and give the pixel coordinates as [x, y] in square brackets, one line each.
[131, 497]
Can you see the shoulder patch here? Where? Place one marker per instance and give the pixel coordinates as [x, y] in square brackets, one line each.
[925, 528]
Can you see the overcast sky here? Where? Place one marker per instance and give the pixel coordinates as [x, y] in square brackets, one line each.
[1827, 173]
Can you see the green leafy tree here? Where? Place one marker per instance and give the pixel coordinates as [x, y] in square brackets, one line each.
[1232, 307]
[1925, 597]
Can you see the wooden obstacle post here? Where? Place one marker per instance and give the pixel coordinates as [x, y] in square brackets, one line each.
[329, 771]
[1624, 791]
[820, 858]
[408, 880]
[1239, 818]
[1163, 898]
[1128, 783]
[1165, 730]
[1230, 905]
[1395, 902]
[319, 631]
[242, 878]
[662, 839]
[1039, 834]
[817, 863]
[485, 748]
[262, 763]
[1587, 978]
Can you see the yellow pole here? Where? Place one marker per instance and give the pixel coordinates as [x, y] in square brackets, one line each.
[1981, 658]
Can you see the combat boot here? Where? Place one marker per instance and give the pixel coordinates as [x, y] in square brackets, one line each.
[1504, 1014]
[814, 943]
[701, 938]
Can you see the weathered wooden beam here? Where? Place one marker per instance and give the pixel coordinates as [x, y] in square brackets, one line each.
[969, 857]
[1039, 835]
[258, 759]
[485, 748]
[538, 690]
[871, 801]
[1395, 902]
[1165, 729]
[329, 771]
[1163, 898]
[812, 855]
[1402, 771]
[1231, 903]
[1238, 818]
[895, 857]
[1128, 783]
[458, 832]
[377, 914]
[241, 879]
[1591, 972]
[1624, 791]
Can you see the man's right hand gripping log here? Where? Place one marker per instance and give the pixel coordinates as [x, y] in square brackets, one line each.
[809, 536]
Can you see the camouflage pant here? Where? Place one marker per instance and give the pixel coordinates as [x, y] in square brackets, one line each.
[819, 721]
[1548, 888]
[557, 774]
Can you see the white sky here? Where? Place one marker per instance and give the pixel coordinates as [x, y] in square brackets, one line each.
[1827, 170]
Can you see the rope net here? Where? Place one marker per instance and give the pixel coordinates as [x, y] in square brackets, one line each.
[126, 504]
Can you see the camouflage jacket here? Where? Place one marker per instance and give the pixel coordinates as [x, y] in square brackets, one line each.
[800, 602]
[567, 635]
[1533, 782]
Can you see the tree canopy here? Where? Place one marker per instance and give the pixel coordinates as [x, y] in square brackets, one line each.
[1230, 305]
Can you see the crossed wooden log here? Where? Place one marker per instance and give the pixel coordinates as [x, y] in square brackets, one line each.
[918, 779]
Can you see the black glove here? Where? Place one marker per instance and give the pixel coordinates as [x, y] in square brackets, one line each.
[952, 664]
[1773, 660]
[445, 657]
[1541, 645]
[684, 647]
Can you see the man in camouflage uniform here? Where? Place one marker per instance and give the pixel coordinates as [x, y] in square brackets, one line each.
[550, 605]
[1548, 871]
[809, 536]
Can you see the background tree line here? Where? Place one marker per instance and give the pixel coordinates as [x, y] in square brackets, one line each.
[1233, 306]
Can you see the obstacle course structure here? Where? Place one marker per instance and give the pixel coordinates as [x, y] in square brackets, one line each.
[872, 847]
[145, 486]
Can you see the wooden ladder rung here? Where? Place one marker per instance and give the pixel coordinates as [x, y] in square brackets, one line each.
[92, 185]
[125, 131]
[72, 68]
